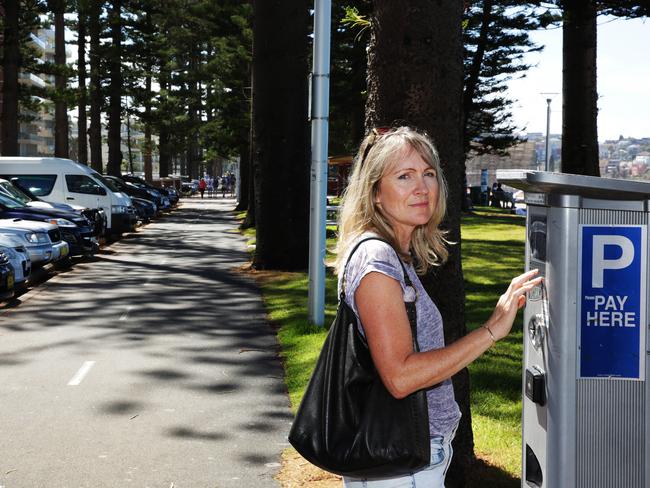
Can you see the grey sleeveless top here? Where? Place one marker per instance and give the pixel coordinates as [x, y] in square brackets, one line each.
[378, 256]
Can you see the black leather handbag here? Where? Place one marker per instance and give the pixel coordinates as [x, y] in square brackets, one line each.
[348, 423]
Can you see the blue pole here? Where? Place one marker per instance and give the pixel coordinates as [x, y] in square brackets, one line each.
[319, 139]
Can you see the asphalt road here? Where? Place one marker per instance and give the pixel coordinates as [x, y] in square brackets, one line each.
[151, 365]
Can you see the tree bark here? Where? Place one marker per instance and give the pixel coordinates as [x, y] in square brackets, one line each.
[82, 126]
[10, 67]
[245, 174]
[415, 76]
[579, 89]
[164, 154]
[61, 149]
[95, 130]
[148, 147]
[115, 92]
[281, 157]
[148, 160]
[249, 221]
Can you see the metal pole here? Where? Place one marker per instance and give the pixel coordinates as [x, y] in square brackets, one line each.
[319, 138]
[548, 131]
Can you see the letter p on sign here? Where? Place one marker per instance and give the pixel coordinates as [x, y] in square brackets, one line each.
[600, 263]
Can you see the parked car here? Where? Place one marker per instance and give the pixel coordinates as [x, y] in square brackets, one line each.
[145, 209]
[96, 216]
[135, 191]
[18, 257]
[160, 193]
[75, 229]
[172, 194]
[41, 240]
[187, 189]
[6, 278]
[65, 181]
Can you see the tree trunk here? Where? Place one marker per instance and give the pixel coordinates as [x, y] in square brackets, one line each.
[10, 67]
[415, 76]
[148, 163]
[579, 92]
[245, 174]
[128, 142]
[82, 141]
[61, 149]
[249, 221]
[164, 154]
[281, 158]
[115, 92]
[164, 157]
[95, 130]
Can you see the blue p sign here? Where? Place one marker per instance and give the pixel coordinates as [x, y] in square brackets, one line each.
[612, 299]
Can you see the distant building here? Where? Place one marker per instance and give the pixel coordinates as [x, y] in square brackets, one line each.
[526, 155]
[36, 138]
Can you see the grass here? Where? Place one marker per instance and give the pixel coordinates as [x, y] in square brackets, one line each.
[493, 250]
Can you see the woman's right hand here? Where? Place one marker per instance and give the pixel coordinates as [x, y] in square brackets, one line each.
[501, 320]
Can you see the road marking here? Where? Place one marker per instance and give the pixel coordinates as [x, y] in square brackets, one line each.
[81, 374]
[125, 314]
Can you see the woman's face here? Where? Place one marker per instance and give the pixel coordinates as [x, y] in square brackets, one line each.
[407, 194]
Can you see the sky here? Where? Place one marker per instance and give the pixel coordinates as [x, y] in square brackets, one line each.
[623, 81]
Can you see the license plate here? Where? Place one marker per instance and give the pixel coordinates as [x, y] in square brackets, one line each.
[10, 282]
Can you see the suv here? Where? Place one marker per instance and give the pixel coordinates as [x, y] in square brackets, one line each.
[18, 257]
[6, 278]
[41, 240]
[75, 229]
[13, 189]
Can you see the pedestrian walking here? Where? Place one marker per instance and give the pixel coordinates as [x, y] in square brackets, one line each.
[202, 186]
[210, 183]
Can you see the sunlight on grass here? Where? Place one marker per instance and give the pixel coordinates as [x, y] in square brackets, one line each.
[493, 251]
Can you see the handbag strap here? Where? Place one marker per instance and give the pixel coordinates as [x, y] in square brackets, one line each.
[411, 311]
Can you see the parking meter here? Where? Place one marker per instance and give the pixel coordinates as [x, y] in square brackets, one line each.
[585, 415]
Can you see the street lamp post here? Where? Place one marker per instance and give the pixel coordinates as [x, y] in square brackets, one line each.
[549, 98]
[319, 138]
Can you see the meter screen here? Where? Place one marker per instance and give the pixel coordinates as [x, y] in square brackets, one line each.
[537, 237]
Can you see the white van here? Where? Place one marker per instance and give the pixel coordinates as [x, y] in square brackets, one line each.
[59, 180]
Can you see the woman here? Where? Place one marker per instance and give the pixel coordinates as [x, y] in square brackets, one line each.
[397, 192]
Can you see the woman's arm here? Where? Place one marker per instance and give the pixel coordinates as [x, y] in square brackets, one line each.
[381, 308]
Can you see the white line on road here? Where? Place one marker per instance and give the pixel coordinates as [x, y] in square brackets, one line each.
[81, 374]
[125, 314]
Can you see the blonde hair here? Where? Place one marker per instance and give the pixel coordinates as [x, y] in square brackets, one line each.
[359, 212]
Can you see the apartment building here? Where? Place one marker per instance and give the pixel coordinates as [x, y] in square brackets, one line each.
[36, 137]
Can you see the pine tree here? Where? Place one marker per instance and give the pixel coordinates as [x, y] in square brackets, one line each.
[114, 166]
[82, 121]
[281, 133]
[415, 74]
[11, 64]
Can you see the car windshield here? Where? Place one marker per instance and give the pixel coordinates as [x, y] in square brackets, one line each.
[106, 182]
[10, 190]
[116, 182]
[9, 202]
[136, 185]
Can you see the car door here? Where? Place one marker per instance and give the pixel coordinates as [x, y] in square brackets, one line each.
[83, 190]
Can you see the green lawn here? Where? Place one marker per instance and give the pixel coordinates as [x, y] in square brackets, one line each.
[493, 249]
